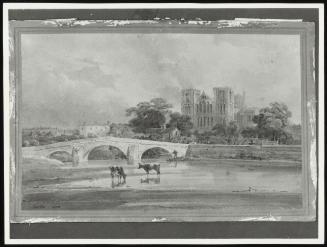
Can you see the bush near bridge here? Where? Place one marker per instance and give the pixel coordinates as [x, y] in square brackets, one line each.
[37, 139]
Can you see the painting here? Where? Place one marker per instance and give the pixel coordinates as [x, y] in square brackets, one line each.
[162, 120]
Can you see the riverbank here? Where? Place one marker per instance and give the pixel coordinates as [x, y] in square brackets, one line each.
[198, 188]
[244, 162]
[167, 202]
[245, 152]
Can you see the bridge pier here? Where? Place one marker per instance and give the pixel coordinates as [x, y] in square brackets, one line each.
[133, 154]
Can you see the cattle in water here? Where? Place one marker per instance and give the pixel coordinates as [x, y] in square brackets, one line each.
[122, 174]
[113, 172]
[119, 173]
[148, 167]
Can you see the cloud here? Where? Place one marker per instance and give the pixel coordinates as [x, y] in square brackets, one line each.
[94, 75]
[70, 78]
[89, 61]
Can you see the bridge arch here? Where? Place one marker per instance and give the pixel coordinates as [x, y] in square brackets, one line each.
[156, 150]
[110, 147]
[61, 155]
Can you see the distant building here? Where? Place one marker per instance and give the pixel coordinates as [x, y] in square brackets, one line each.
[223, 108]
[206, 112]
[244, 117]
[190, 98]
[94, 130]
[239, 102]
[224, 104]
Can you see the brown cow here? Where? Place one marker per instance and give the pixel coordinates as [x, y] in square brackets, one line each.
[148, 167]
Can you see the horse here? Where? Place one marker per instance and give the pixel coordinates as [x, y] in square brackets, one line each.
[148, 167]
[122, 174]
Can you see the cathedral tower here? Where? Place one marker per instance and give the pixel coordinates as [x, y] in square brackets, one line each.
[189, 99]
[224, 104]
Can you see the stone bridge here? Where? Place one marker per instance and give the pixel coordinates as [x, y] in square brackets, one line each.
[132, 148]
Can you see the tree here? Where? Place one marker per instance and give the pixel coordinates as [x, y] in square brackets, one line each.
[232, 132]
[148, 114]
[181, 122]
[272, 121]
[219, 129]
[226, 133]
[204, 137]
[250, 132]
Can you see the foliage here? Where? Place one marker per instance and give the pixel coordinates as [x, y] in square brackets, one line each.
[37, 138]
[148, 114]
[225, 133]
[272, 121]
[250, 132]
[219, 129]
[121, 130]
[181, 122]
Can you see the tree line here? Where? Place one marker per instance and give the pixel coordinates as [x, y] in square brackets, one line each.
[154, 119]
[271, 123]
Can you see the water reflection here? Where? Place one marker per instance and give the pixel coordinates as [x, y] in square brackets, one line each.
[214, 175]
[150, 180]
[117, 184]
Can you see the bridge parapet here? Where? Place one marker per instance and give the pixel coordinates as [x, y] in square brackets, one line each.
[132, 148]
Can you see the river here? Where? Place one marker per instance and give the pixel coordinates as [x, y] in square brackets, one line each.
[220, 176]
[183, 187]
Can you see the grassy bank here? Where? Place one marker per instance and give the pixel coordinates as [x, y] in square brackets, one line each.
[245, 152]
[38, 172]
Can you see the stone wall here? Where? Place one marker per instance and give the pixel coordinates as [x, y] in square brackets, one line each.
[254, 152]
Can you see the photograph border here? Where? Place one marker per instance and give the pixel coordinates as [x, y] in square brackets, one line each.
[311, 109]
[305, 31]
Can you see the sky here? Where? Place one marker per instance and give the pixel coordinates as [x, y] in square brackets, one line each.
[72, 78]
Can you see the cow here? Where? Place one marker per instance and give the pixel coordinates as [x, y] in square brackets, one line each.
[148, 167]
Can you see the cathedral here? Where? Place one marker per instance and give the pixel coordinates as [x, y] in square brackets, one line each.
[225, 106]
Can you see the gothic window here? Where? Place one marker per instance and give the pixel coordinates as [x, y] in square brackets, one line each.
[204, 121]
[211, 121]
[197, 108]
[210, 108]
[200, 122]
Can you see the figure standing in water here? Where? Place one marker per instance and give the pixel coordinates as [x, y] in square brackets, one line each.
[175, 157]
[75, 156]
[175, 154]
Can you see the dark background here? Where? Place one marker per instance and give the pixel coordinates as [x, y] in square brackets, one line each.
[167, 229]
